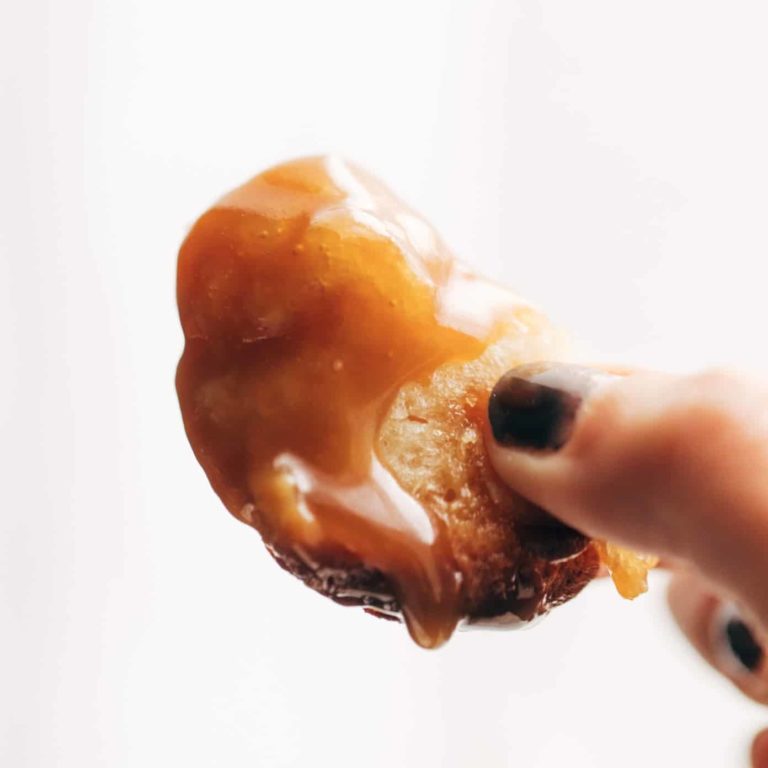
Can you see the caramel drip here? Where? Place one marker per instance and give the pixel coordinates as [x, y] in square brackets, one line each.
[308, 297]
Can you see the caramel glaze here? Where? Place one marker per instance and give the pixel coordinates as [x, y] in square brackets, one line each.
[308, 297]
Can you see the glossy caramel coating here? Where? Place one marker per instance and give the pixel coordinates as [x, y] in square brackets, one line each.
[334, 385]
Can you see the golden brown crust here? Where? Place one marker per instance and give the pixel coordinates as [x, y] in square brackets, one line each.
[552, 565]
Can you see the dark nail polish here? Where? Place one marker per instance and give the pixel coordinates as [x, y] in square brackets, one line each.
[743, 645]
[535, 406]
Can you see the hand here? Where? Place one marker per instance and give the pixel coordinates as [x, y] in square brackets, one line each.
[675, 466]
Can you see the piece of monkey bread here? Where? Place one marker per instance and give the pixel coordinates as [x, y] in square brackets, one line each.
[334, 387]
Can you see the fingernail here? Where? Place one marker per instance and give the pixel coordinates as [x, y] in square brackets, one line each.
[535, 406]
[739, 650]
[743, 644]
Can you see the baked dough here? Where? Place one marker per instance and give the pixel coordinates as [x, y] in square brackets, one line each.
[334, 387]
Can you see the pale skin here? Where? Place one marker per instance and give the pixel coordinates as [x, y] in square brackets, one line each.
[676, 466]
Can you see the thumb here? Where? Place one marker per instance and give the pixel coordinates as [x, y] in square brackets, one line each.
[675, 466]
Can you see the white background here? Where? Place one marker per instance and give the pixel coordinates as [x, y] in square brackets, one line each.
[607, 159]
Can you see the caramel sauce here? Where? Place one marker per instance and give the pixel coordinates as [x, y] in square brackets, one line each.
[308, 297]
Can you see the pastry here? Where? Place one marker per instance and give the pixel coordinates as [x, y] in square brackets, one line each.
[334, 387]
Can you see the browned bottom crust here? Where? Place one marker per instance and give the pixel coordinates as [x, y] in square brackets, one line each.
[521, 593]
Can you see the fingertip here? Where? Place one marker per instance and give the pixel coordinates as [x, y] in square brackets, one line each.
[532, 411]
[534, 475]
[533, 455]
[717, 631]
[760, 750]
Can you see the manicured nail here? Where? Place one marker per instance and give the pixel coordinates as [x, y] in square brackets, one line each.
[739, 650]
[535, 406]
[743, 644]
